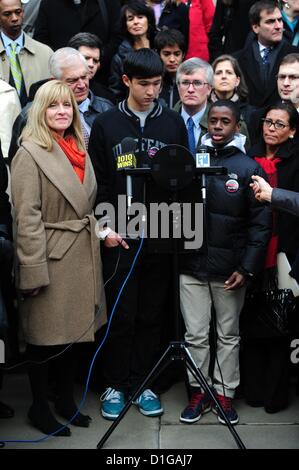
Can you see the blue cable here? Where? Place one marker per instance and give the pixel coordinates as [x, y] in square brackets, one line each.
[36, 441]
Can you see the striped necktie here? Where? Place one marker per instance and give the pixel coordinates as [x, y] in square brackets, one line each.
[15, 67]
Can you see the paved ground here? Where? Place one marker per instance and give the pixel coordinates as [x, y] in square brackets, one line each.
[257, 429]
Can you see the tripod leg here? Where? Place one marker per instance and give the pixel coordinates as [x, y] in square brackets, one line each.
[198, 375]
[152, 374]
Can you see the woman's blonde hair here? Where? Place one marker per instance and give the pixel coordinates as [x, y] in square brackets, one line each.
[37, 128]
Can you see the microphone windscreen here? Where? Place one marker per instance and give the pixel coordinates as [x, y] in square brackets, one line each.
[128, 145]
[127, 158]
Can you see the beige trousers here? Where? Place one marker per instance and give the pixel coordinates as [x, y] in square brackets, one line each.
[196, 310]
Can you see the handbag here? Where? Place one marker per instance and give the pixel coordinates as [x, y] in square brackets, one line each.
[274, 308]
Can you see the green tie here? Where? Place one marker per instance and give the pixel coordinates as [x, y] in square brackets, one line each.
[15, 67]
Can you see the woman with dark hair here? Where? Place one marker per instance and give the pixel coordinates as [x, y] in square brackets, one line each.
[138, 30]
[265, 355]
[229, 84]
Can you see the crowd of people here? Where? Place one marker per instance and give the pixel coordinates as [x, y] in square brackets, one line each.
[219, 79]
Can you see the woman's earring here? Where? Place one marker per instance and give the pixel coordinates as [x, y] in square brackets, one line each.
[287, 5]
[291, 136]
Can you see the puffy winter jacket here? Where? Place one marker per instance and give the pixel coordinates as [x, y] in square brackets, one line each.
[238, 226]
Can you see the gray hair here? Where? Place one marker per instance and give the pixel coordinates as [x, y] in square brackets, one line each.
[192, 65]
[64, 58]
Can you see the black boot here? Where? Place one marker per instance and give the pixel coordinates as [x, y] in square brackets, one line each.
[65, 404]
[40, 414]
[42, 418]
[6, 411]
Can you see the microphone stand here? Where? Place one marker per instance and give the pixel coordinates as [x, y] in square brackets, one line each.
[177, 350]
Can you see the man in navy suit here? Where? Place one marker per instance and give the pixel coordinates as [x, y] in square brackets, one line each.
[261, 56]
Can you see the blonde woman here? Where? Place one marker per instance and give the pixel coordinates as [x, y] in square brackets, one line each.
[59, 277]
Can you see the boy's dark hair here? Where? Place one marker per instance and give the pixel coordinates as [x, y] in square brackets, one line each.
[138, 7]
[227, 104]
[170, 37]
[87, 40]
[258, 7]
[143, 63]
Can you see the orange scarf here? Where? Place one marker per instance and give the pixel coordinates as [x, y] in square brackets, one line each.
[75, 156]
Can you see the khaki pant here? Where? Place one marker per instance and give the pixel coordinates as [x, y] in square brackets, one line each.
[196, 309]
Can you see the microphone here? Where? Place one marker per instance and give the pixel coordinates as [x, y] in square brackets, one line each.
[203, 161]
[127, 159]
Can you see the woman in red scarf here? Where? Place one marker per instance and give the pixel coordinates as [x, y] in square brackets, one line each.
[59, 266]
[265, 356]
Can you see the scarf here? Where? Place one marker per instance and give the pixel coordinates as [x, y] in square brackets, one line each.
[269, 167]
[76, 157]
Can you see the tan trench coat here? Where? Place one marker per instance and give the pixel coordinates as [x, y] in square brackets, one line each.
[34, 59]
[57, 248]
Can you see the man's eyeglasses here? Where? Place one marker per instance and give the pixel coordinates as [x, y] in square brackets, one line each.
[281, 77]
[197, 84]
[276, 124]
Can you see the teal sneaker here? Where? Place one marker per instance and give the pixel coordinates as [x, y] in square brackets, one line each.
[149, 404]
[113, 402]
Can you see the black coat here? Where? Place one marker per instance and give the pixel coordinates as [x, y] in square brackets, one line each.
[176, 17]
[231, 23]
[162, 127]
[261, 93]
[238, 226]
[116, 85]
[5, 215]
[6, 250]
[286, 201]
[287, 178]
[169, 92]
[59, 20]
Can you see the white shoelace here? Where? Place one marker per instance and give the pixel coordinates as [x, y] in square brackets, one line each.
[148, 395]
[114, 396]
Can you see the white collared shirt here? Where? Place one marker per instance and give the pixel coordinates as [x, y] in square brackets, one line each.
[262, 48]
[8, 41]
